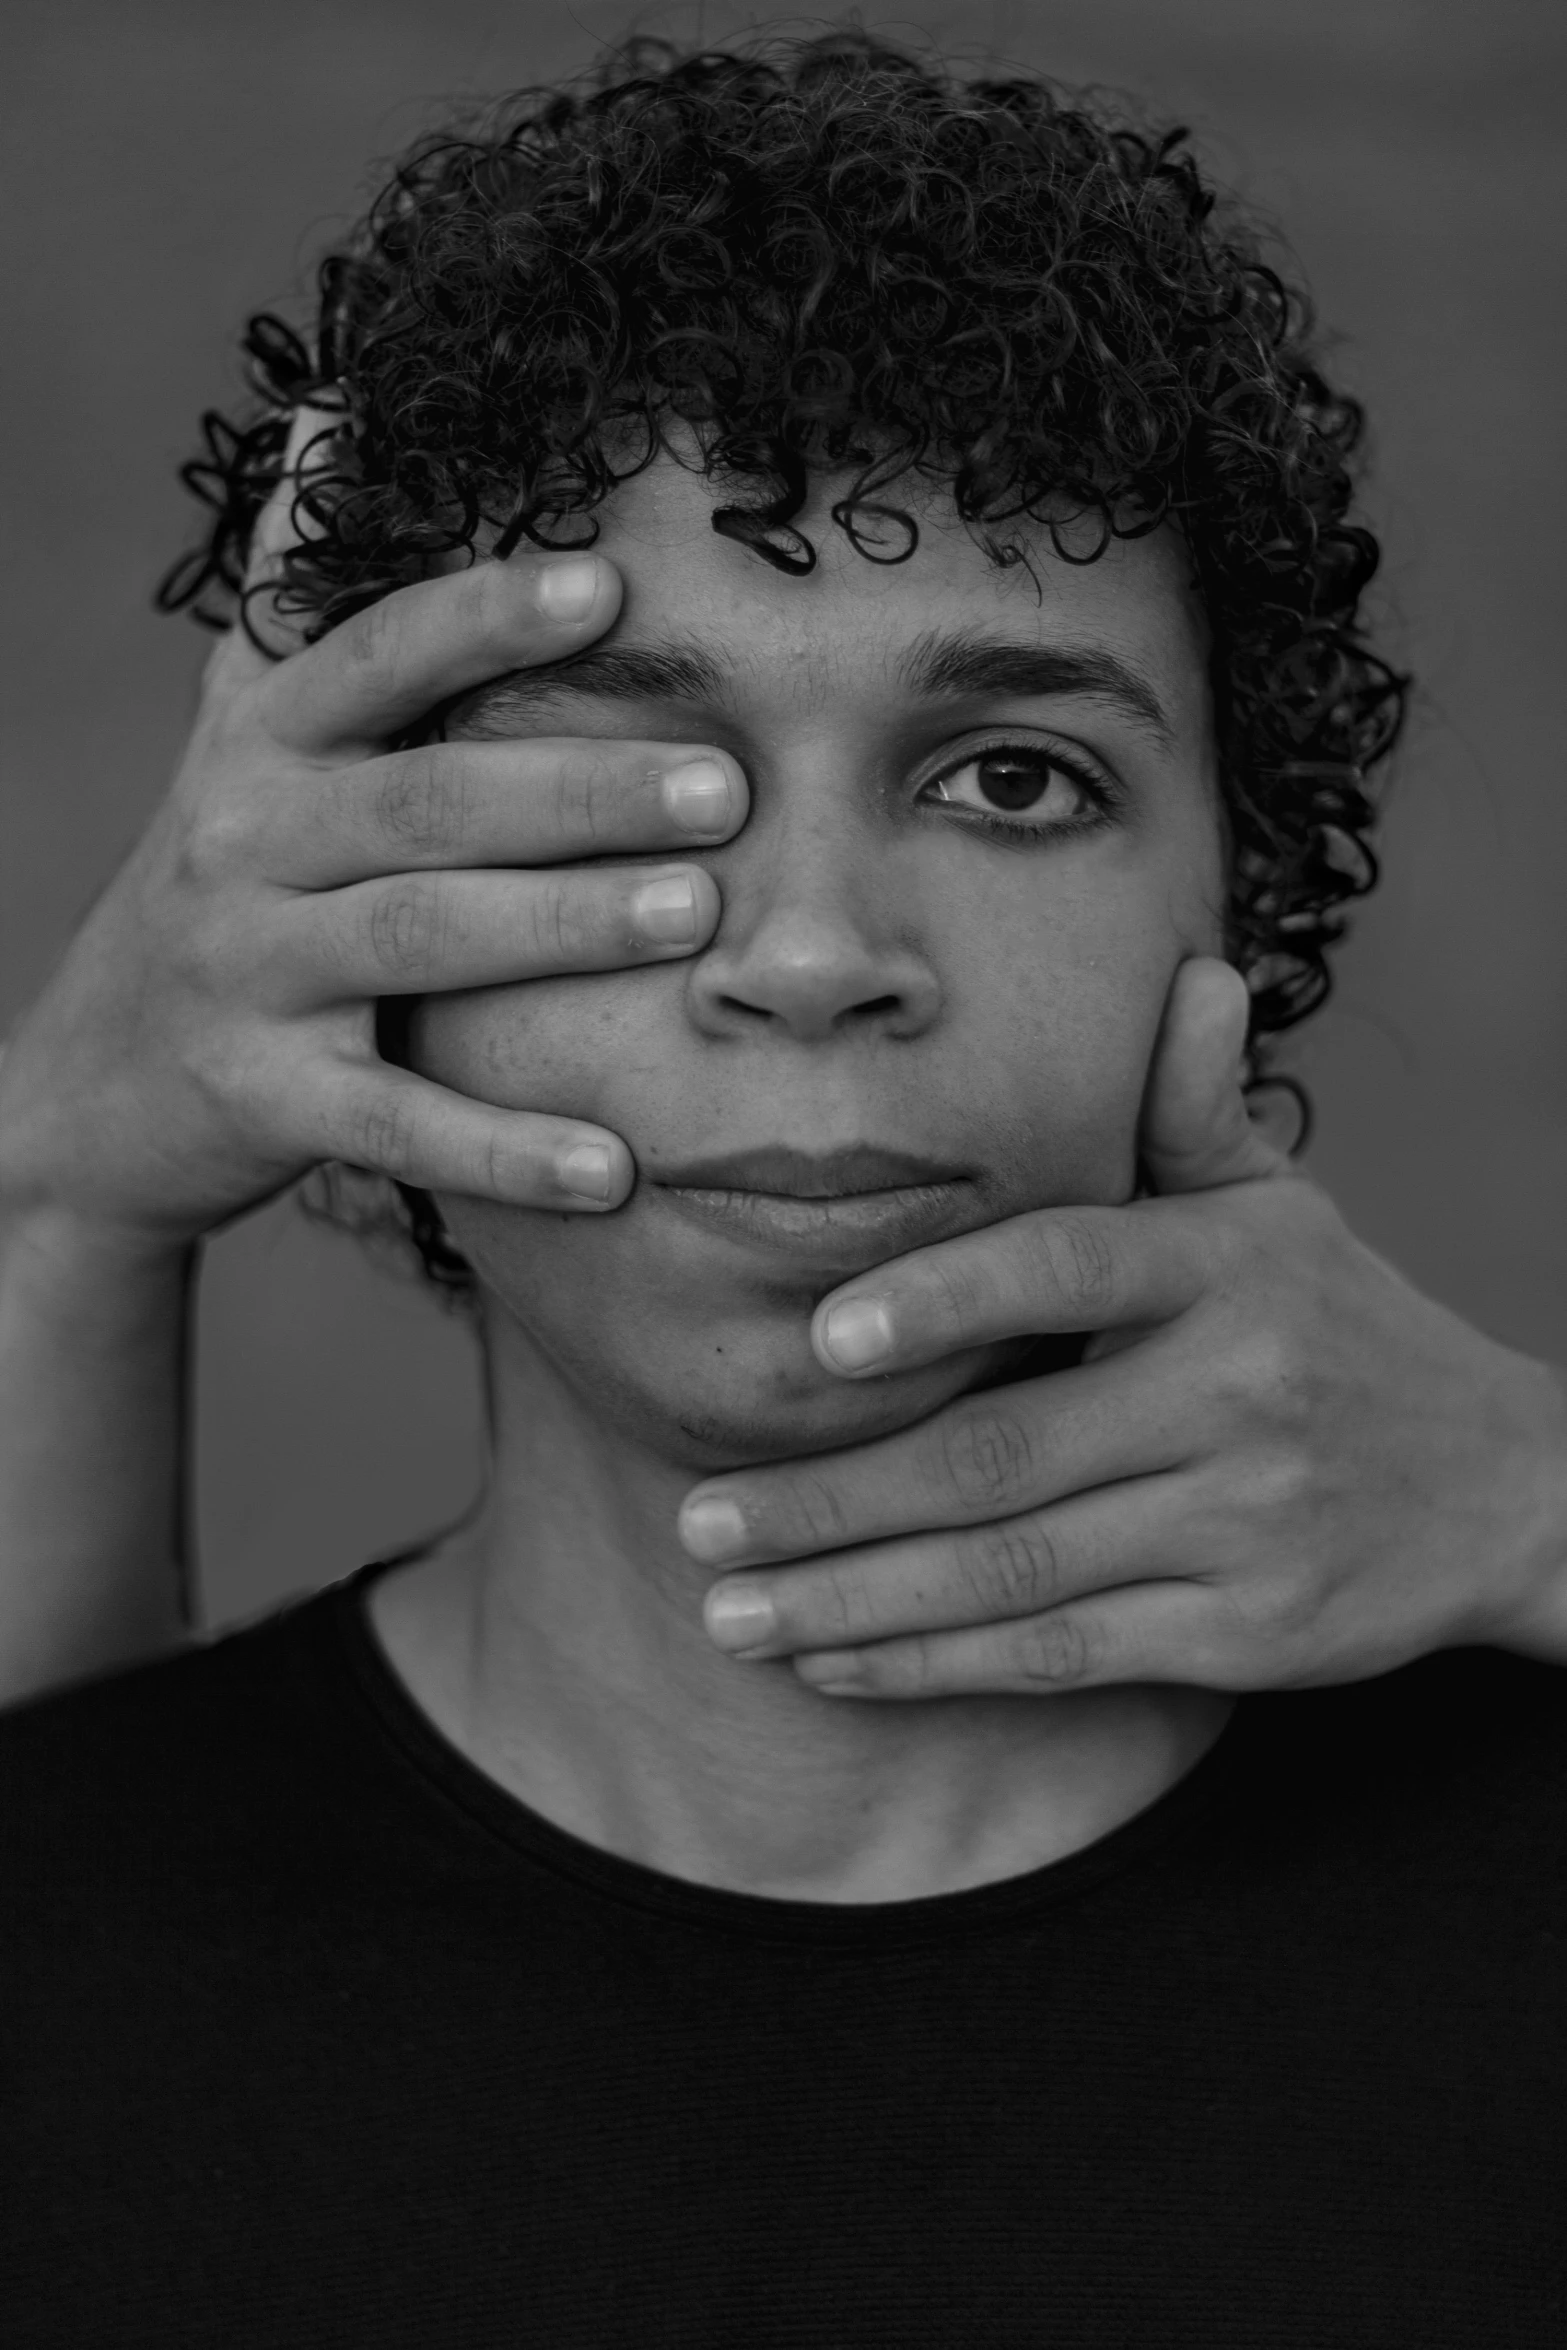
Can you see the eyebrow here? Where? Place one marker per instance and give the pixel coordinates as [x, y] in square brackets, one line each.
[611, 673]
[942, 665]
[972, 662]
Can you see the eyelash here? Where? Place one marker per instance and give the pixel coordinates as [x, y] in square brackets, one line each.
[1106, 797]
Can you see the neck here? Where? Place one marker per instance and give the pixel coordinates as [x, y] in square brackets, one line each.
[557, 1641]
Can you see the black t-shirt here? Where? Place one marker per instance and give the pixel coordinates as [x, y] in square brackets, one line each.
[310, 2035]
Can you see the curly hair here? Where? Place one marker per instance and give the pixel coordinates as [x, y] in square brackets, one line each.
[832, 255]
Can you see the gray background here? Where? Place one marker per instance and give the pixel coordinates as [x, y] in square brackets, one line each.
[169, 166]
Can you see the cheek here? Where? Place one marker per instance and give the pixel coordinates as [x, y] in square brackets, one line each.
[553, 1045]
[1057, 1014]
[1064, 1081]
[1052, 987]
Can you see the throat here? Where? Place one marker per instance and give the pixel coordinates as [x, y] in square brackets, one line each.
[557, 1643]
[630, 1734]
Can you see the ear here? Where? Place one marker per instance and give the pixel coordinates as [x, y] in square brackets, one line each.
[1196, 1131]
[236, 657]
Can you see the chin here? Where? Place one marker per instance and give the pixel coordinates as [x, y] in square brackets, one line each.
[729, 1436]
[731, 1416]
[701, 1378]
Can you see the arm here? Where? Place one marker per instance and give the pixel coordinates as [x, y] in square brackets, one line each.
[199, 1049]
[92, 1445]
[1364, 1476]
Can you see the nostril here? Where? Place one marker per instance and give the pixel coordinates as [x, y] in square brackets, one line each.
[881, 1007]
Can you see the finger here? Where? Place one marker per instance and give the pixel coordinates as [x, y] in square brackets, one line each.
[1144, 1632]
[534, 802]
[425, 933]
[392, 1123]
[1054, 1269]
[1196, 1131]
[387, 667]
[938, 1582]
[983, 1457]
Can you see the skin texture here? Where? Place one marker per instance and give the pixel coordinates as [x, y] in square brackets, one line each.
[1279, 1466]
[1344, 1474]
[210, 1035]
[883, 972]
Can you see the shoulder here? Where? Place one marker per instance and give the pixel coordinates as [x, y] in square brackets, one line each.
[215, 1728]
[1474, 1706]
[1465, 1751]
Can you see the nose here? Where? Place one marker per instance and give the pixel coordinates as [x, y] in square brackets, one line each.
[817, 941]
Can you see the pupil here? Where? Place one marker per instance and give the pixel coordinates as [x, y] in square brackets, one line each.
[1010, 784]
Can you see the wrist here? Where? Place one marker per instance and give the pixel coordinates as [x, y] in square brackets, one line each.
[65, 1203]
[50, 1248]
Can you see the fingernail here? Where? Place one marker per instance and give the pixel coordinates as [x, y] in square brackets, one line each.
[713, 1529]
[585, 1170]
[665, 911]
[858, 1333]
[738, 1620]
[568, 591]
[697, 796]
[833, 1676]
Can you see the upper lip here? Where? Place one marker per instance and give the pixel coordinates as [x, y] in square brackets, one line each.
[859, 1167]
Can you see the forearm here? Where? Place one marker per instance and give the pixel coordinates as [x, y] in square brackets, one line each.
[93, 1346]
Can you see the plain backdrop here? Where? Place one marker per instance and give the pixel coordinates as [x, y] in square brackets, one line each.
[168, 165]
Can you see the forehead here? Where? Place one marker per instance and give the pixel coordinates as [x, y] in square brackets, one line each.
[852, 623]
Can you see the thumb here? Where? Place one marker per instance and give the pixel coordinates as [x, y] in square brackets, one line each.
[1196, 1131]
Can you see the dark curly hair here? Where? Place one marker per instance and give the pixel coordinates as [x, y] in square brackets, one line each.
[832, 254]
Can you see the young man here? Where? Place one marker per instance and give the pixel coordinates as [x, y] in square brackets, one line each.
[477, 1951]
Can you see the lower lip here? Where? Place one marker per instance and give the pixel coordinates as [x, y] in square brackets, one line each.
[854, 1230]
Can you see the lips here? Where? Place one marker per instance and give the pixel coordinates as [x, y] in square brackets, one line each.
[795, 1174]
[845, 1210]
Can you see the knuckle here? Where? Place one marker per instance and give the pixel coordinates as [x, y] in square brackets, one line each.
[579, 809]
[421, 806]
[485, 600]
[1258, 1539]
[814, 1517]
[1056, 1652]
[381, 1136]
[491, 1166]
[214, 841]
[406, 929]
[984, 1458]
[953, 1299]
[1272, 1610]
[371, 645]
[1013, 1569]
[1283, 1486]
[1285, 1610]
[910, 1669]
[1080, 1265]
[559, 923]
[1261, 1377]
[844, 1602]
[228, 1082]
